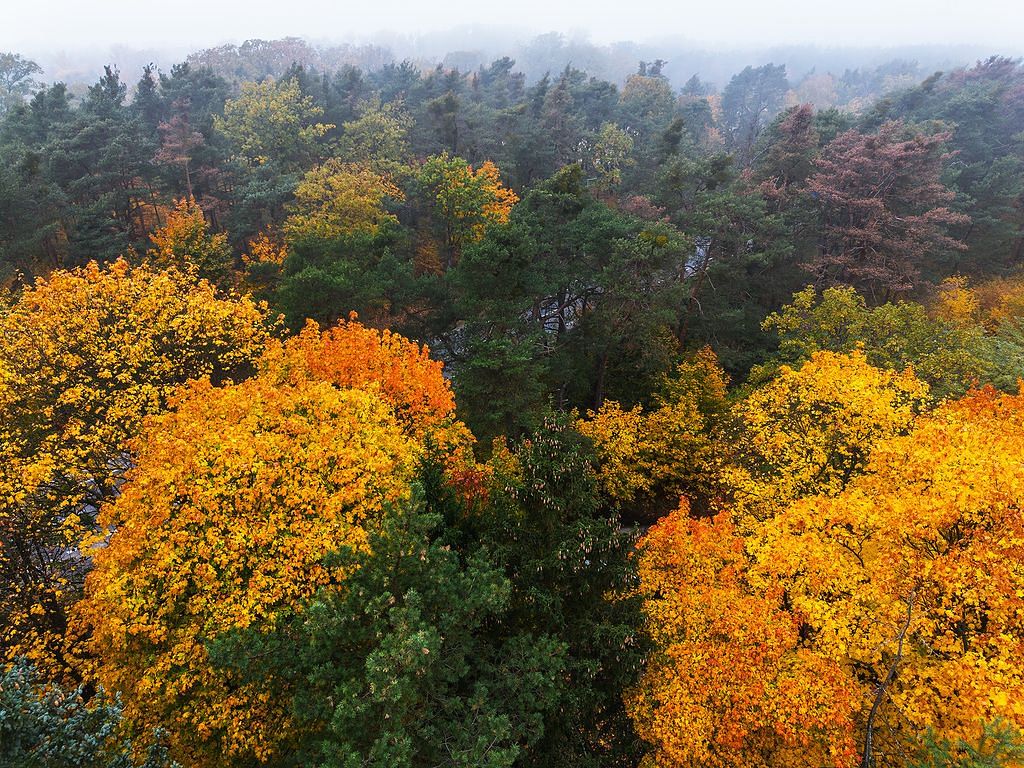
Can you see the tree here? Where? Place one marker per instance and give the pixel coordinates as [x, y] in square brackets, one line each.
[981, 105]
[273, 121]
[400, 371]
[406, 666]
[464, 201]
[178, 142]
[16, 82]
[236, 498]
[101, 161]
[378, 138]
[1000, 745]
[485, 623]
[729, 682]
[337, 200]
[85, 357]
[740, 264]
[576, 301]
[792, 144]
[950, 356]
[46, 726]
[810, 430]
[186, 244]
[884, 209]
[648, 103]
[911, 575]
[650, 458]
[573, 574]
[882, 621]
[751, 98]
[608, 154]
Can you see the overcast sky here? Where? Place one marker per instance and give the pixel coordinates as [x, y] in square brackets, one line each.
[49, 25]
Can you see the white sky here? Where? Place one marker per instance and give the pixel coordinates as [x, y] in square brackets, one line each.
[187, 24]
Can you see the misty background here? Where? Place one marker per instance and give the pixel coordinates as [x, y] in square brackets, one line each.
[73, 42]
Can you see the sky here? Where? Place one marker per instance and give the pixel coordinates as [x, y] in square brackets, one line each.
[55, 25]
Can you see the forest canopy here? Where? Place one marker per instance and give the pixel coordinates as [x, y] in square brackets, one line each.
[355, 412]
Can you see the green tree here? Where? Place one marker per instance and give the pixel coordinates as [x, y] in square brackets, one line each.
[45, 726]
[750, 100]
[573, 300]
[273, 121]
[999, 746]
[486, 624]
[16, 81]
[378, 137]
[401, 667]
[950, 356]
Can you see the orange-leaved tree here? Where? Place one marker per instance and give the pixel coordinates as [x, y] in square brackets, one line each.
[730, 683]
[229, 518]
[85, 356]
[351, 354]
[184, 242]
[856, 625]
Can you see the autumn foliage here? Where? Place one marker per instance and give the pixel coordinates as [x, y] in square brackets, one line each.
[811, 429]
[238, 496]
[885, 207]
[354, 355]
[861, 617]
[730, 683]
[185, 242]
[336, 199]
[916, 567]
[465, 201]
[717, 517]
[84, 357]
[668, 450]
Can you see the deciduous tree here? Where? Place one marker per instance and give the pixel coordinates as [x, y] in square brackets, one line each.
[337, 200]
[85, 356]
[885, 208]
[238, 495]
[185, 243]
[465, 201]
[273, 121]
[812, 429]
[911, 576]
[730, 681]
[654, 456]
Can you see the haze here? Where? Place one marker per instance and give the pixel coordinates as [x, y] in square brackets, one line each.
[70, 25]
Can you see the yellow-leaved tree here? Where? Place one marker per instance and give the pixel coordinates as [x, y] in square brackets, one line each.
[913, 577]
[239, 496]
[464, 201]
[273, 121]
[810, 430]
[651, 457]
[224, 524]
[337, 199]
[85, 356]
